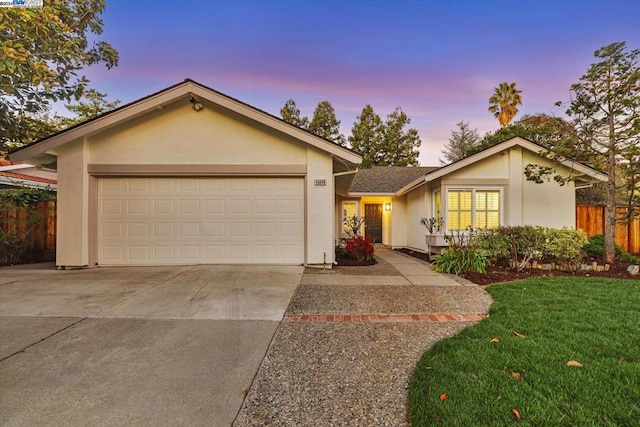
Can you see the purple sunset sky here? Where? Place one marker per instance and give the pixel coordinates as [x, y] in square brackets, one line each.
[438, 60]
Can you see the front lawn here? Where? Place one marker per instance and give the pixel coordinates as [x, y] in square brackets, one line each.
[512, 367]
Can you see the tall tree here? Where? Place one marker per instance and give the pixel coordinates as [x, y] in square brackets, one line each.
[44, 51]
[367, 136]
[462, 143]
[400, 145]
[325, 123]
[504, 102]
[606, 111]
[290, 113]
[551, 132]
[92, 104]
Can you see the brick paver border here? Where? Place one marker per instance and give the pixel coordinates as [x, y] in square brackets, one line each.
[379, 318]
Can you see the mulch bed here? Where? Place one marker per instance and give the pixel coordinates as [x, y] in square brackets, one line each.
[349, 266]
[501, 273]
[346, 260]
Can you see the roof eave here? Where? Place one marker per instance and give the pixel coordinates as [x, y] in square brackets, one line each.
[172, 94]
[372, 194]
[505, 145]
[413, 184]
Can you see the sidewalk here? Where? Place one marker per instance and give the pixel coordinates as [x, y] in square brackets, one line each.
[348, 345]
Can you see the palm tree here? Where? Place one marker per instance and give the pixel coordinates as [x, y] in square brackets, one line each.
[504, 102]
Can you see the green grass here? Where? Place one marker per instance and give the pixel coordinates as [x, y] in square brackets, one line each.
[593, 321]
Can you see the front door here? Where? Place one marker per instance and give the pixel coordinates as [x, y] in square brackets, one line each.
[373, 222]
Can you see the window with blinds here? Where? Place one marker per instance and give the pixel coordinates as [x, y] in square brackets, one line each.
[487, 207]
[459, 212]
[479, 209]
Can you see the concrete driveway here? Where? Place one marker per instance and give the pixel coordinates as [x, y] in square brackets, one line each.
[135, 345]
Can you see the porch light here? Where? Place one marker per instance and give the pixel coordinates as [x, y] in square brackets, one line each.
[195, 104]
[387, 207]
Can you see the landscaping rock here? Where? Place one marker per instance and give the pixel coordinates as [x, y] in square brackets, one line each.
[633, 269]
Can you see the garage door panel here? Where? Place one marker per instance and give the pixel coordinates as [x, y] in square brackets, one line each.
[214, 207]
[164, 230]
[138, 229]
[138, 186]
[200, 220]
[166, 253]
[138, 207]
[138, 253]
[189, 185]
[214, 229]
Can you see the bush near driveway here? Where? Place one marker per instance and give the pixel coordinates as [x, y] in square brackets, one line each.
[517, 359]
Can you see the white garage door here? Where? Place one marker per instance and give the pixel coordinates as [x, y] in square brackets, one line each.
[143, 221]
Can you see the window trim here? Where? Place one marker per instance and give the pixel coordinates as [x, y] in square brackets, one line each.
[436, 210]
[473, 189]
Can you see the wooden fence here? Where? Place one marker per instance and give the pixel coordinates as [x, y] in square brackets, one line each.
[591, 220]
[39, 239]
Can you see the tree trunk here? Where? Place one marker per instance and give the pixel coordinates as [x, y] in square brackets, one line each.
[610, 209]
[610, 229]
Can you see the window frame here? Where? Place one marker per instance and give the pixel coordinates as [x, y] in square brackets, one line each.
[436, 208]
[473, 189]
[342, 213]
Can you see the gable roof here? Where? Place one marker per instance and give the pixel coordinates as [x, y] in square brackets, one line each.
[181, 92]
[386, 180]
[590, 173]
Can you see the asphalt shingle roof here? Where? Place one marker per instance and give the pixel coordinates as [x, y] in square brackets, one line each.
[387, 179]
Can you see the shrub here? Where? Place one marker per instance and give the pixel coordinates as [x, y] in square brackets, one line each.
[360, 248]
[461, 260]
[627, 257]
[462, 255]
[493, 244]
[594, 247]
[524, 244]
[564, 245]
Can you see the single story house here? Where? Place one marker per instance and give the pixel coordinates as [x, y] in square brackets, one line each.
[484, 190]
[189, 175]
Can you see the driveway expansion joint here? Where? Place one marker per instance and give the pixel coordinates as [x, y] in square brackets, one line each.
[384, 318]
[22, 350]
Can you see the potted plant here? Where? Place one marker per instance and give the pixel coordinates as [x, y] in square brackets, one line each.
[433, 226]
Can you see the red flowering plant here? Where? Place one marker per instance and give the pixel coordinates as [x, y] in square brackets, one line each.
[360, 248]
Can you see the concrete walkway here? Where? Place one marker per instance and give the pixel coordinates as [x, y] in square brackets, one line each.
[413, 272]
[348, 345]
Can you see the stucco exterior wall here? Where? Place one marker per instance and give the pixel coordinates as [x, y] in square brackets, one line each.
[179, 135]
[399, 221]
[418, 206]
[72, 234]
[547, 204]
[320, 212]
